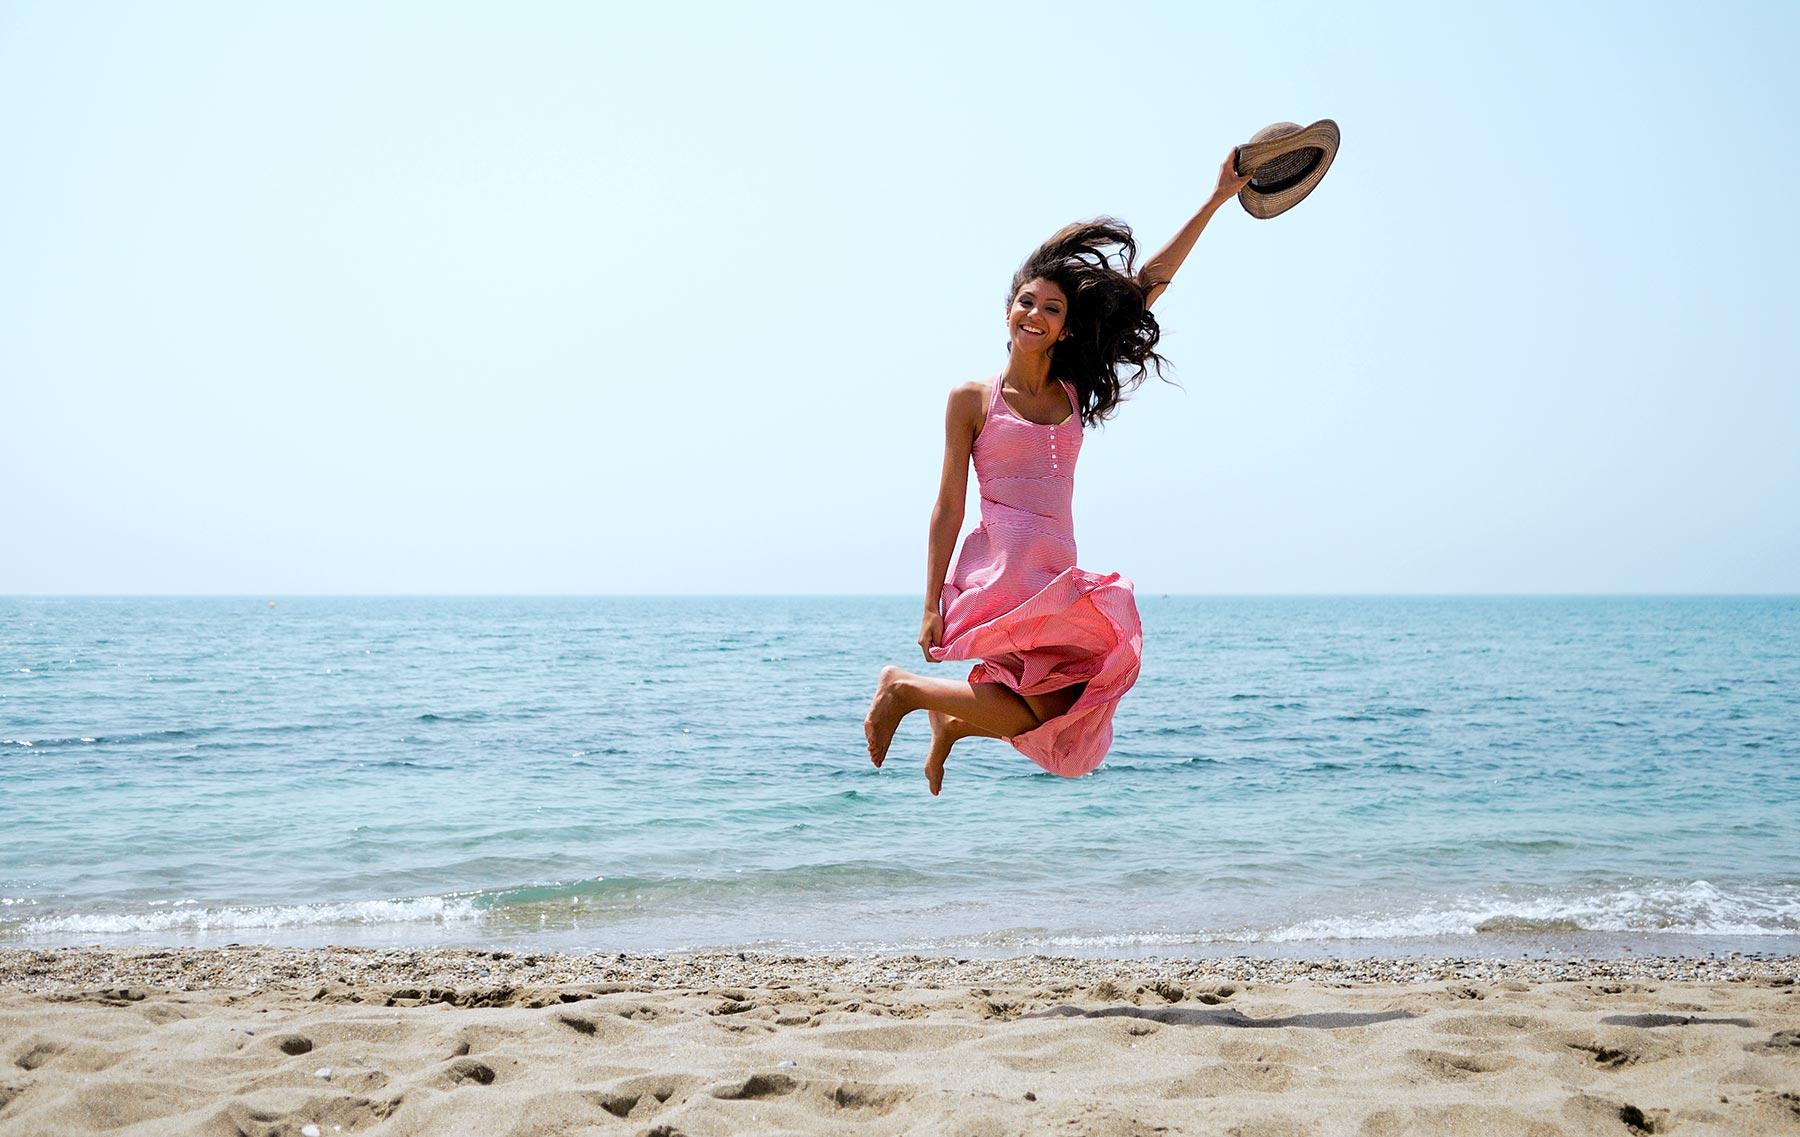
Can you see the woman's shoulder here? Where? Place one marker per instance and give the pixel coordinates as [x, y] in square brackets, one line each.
[971, 394]
[967, 405]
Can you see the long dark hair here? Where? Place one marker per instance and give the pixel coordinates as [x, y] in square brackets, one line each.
[1109, 327]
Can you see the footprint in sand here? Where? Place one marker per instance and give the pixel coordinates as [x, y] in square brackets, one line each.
[161, 1014]
[82, 1057]
[756, 1086]
[641, 1096]
[293, 1044]
[637, 1012]
[850, 1097]
[329, 1115]
[1599, 1115]
[468, 1070]
[106, 996]
[1000, 1009]
[1451, 1067]
[1604, 1056]
[241, 1119]
[1618, 1049]
[624, 1105]
[38, 1055]
[875, 1101]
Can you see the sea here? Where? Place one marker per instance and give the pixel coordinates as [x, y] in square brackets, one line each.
[1291, 776]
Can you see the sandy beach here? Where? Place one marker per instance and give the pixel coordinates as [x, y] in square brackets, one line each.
[265, 1042]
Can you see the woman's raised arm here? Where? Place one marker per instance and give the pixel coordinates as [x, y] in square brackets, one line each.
[1159, 270]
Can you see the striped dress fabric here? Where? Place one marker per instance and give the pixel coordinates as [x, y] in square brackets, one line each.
[1016, 601]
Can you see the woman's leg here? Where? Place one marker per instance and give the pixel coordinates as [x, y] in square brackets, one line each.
[946, 732]
[991, 708]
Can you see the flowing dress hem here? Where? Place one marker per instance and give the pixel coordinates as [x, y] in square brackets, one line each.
[1080, 627]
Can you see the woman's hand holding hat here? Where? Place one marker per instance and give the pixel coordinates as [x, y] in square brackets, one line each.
[1230, 181]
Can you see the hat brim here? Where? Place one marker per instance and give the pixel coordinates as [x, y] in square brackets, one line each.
[1321, 135]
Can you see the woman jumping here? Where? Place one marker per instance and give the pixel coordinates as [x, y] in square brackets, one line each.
[1057, 645]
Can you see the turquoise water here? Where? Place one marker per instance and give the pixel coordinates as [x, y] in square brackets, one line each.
[1295, 775]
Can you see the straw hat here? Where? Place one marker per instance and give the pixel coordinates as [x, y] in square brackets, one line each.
[1288, 161]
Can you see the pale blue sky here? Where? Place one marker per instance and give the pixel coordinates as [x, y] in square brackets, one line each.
[667, 298]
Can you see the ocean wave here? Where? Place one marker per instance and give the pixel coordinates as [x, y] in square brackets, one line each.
[526, 905]
[453, 716]
[731, 889]
[172, 735]
[188, 916]
[1695, 908]
[1692, 908]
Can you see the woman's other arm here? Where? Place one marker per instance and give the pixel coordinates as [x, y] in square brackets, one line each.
[962, 421]
[1159, 270]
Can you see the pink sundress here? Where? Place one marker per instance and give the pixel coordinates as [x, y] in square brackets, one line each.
[1016, 602]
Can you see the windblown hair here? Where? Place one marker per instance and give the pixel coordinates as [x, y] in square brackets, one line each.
[1112, 335]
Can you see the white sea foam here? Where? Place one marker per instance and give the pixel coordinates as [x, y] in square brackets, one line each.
[191, 917]
[1696, 908]
[1690, 908]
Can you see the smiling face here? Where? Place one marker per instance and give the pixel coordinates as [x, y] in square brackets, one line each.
[1038, 316]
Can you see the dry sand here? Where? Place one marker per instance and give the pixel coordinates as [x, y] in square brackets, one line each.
[263, 1041]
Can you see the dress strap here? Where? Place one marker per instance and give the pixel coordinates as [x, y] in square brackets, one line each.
[994, 395]
[1074, 400]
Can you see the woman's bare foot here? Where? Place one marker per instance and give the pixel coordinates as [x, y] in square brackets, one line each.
[941, 741]
[885, 712]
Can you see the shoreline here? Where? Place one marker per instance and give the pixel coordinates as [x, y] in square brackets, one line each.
[1006, 944]
[255, 966]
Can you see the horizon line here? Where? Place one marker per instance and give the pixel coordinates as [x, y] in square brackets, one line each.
[275, 595]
